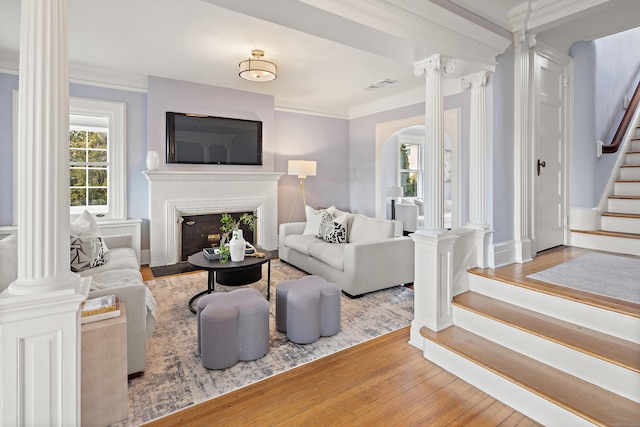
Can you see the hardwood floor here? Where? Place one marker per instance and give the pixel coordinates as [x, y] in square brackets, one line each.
[384, 381]
[380, 382]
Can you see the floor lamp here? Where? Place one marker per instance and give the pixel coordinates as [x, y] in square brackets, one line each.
[302, 168]
[394, 192]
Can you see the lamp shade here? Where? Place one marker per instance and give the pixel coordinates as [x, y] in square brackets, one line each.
[302, 168]
[256, 69]
[395, 191]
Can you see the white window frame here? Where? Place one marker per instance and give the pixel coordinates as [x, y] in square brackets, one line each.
[115, 112]
[413, 140]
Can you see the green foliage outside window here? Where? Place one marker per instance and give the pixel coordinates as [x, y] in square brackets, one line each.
[88, 176]
[408, 178]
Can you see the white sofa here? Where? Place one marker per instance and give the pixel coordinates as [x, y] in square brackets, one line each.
[120, 275]
[371, 259]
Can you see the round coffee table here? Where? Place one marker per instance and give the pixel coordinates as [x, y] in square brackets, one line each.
[230, 267]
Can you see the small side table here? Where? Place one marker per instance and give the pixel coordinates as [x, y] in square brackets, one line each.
[104, 371]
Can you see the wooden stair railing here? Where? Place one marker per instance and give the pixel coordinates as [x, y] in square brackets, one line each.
[624, 123]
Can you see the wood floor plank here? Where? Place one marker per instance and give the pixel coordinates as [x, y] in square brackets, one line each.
[352, 387]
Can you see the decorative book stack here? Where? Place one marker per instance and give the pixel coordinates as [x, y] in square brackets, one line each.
[100, 308]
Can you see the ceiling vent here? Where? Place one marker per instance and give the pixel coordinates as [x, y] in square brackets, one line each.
[380, 84]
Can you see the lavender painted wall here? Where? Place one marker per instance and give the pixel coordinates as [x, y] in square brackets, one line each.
[362, 156]
[602, 77]
[185, 97]
[8, 83]
[323, 139]
[583, 156]
[617, 63]
[500, 185]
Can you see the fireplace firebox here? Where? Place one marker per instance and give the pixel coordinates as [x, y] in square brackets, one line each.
[203, 231]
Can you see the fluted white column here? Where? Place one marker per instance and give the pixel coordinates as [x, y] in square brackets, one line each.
[477, 83]
[434, 68]
[433, 282]
[39, 320]
[522, 145]
[43, 150]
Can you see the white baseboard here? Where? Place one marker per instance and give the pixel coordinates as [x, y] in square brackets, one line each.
[145, 256]
[502, 253]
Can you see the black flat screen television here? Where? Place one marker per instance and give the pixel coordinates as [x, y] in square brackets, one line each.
[198, 139]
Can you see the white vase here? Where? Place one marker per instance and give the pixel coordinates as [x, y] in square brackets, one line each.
[153, 160]
[237, 246]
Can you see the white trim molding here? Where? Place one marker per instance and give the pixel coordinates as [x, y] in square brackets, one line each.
[173, 194]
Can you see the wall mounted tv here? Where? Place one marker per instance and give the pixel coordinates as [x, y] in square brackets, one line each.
[198, 139]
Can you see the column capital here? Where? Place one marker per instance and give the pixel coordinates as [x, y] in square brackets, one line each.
[524, 40]
[475, 80]
[435, 64]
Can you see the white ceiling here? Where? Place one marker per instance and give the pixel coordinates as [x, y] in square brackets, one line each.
[326, 50]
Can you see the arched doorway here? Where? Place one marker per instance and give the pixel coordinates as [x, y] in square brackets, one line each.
[385, 133]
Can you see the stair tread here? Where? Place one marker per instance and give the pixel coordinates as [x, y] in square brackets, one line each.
[608, 233]
[627, 180]
[630, 166]
[620, 215]
[597, 344]
[625, 197]
[573, 394]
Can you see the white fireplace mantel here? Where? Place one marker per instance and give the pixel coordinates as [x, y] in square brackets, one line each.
[173, 194]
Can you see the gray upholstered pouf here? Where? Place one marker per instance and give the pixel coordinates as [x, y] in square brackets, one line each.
[232, 326]
[308, 308]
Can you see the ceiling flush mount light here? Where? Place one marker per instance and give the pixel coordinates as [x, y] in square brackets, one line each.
[256, 69]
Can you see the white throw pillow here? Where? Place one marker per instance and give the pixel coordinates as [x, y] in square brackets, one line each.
[365, 229]
[87, 246]
[314, 217]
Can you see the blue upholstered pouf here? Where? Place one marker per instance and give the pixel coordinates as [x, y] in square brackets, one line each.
[308, 308]
[232, 326]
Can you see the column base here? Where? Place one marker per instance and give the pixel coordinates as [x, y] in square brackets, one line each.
[482, 241]
[433, 282]
[416, 339]
[40, 369]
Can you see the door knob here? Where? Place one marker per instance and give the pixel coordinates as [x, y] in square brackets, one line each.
[541, 164]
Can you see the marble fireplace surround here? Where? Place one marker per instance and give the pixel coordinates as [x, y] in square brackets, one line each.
[173, 194]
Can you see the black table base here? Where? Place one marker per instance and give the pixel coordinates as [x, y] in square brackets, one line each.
[238, 276]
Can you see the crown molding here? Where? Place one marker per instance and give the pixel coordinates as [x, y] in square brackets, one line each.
[541, 15]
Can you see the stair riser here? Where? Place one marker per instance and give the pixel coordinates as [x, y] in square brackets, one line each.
[596, 371]
[635, 146]
[622, 225]
[630, 173]
[606, 243]
[632, 159]
[608, 322]
[624, 206]
[520, 399]
[626, 189]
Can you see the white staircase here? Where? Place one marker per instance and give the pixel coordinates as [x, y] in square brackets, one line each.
[556, 360]
[620, 219]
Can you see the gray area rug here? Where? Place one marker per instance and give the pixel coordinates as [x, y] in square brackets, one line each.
[604, 274]
[174, 377]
